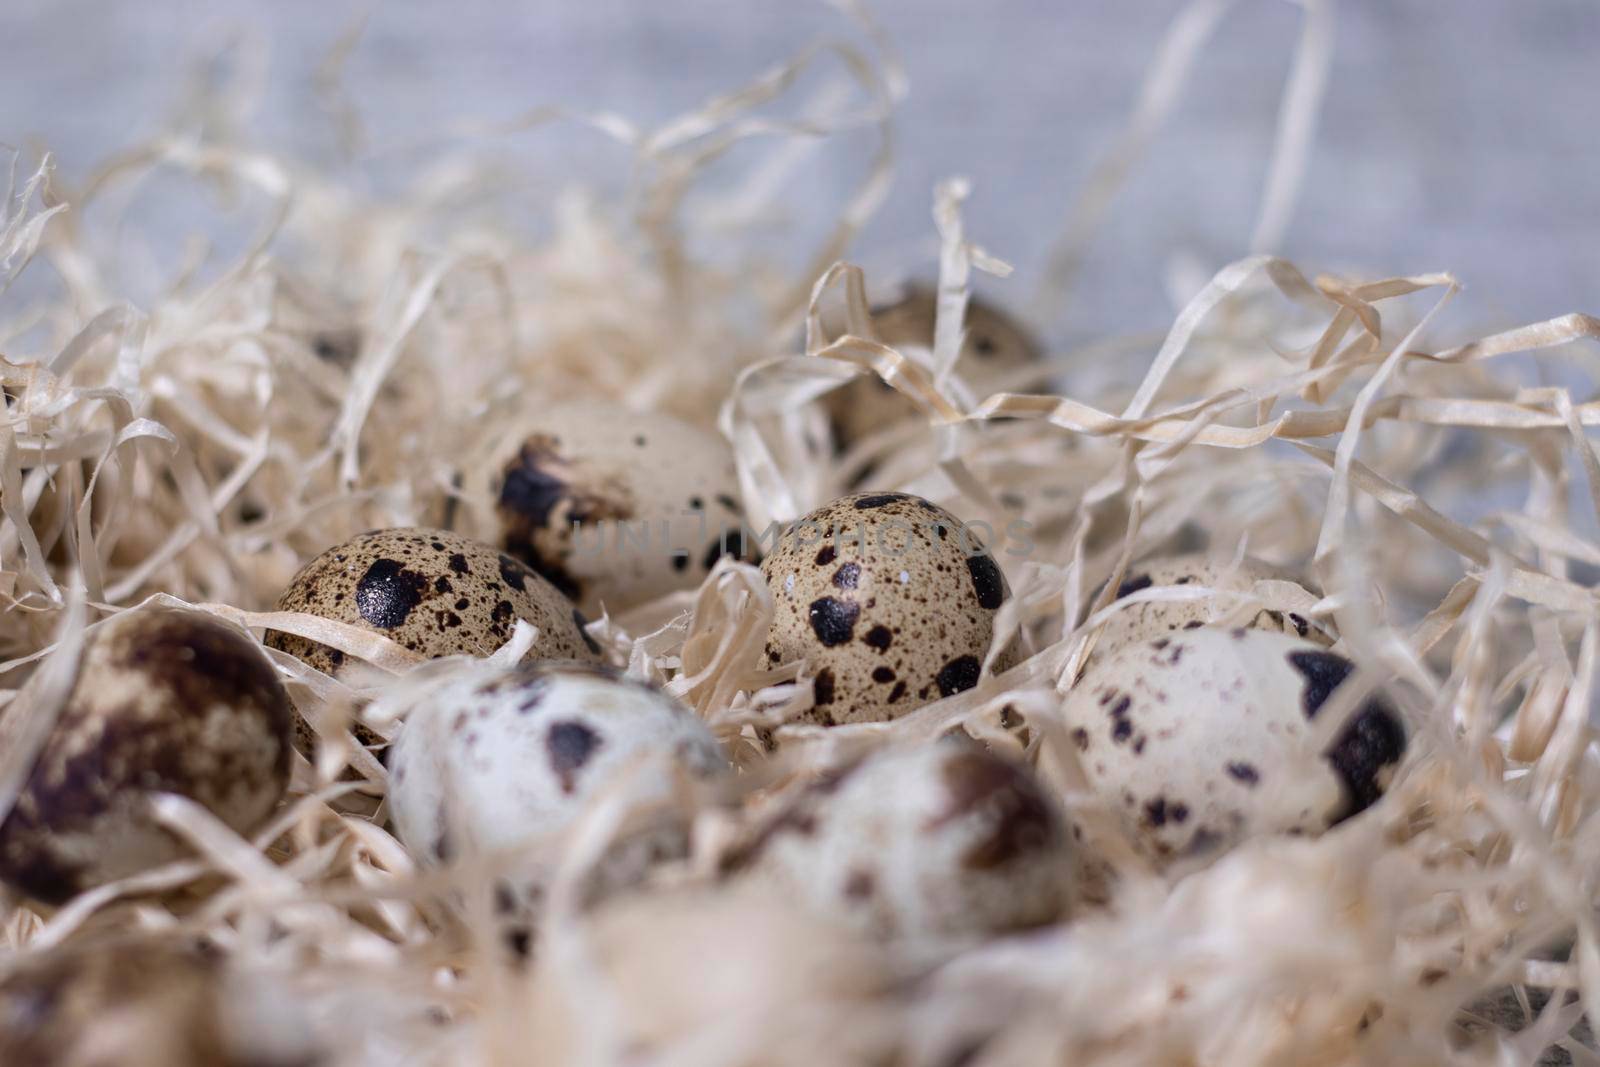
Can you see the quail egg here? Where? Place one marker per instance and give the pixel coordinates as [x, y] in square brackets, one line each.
[617, 508]
[995, 346]
[891, 601]
[433, 592]
[1157, 618]
[165, 700]
[941, 839]
[144, 1002]
[1203, 737]
[497, 760]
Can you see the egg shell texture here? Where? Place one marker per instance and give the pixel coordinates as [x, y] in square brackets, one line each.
[995, 344]
[1156, 618]
[889, 599]
[496, 760]
[935, 839]
[164, 700]
[54, 1008]
[656, 501]
[1203, 737]
[433, 592]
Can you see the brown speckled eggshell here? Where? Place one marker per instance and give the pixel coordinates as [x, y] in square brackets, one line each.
[1205, 737]
[142, 1001]
[433, 592]
[165, 700]
[883, 633]
[1146, 621]
[996, 345]
[672, 487]
[928, 839]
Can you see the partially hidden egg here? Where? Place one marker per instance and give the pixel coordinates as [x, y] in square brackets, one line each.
[433, 592]
[995, 345]
[496, 761]
[889, 598]
[145, 1001]
[938, 839]
[164, 700]
[1205, 737]
[1144, 621]
[618, 508]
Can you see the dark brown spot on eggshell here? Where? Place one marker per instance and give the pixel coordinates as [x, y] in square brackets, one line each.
[987, 581]
[833, 620]
[1020, 818]
[959, 674]
[581, 623]
[822, 687]
[878, 500]
[1133, 585]
[847, 576]
[1372, 742]
[513, 573]
[388, 592]
[570, 744]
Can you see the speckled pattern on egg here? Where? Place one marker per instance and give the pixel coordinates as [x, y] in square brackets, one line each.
[141, 1001]
[496, 760]
[1142, 622]
[895, 611]
[433, 592]
[1202, 738]
[165, 700]
[942, 838]
[996, 344]
[655, 500]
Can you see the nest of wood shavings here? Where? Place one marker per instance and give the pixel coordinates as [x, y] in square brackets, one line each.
[346, 366]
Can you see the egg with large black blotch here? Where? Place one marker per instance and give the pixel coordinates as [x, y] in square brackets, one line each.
[164, 700]
[938, 839]
[1206, 737]
[494, 762]
[995, 345]
[433, 592]
[618, 508]
[890, 600]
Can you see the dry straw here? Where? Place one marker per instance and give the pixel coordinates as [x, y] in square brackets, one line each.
[335, 372]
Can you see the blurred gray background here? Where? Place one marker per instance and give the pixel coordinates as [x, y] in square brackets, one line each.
[1455, 134]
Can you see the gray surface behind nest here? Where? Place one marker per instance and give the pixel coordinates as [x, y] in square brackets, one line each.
[1455, 135]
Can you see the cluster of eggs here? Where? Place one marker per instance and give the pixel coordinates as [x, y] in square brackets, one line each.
[1197, 723]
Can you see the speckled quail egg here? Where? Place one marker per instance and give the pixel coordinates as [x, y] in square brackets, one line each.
[1157, 618]
[433, 592]
[996, 345]
[617, 508]
[497, 760]
[164, 701]
[942, 839]
[144, 1002]
[1203, 737]
[891, 601]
